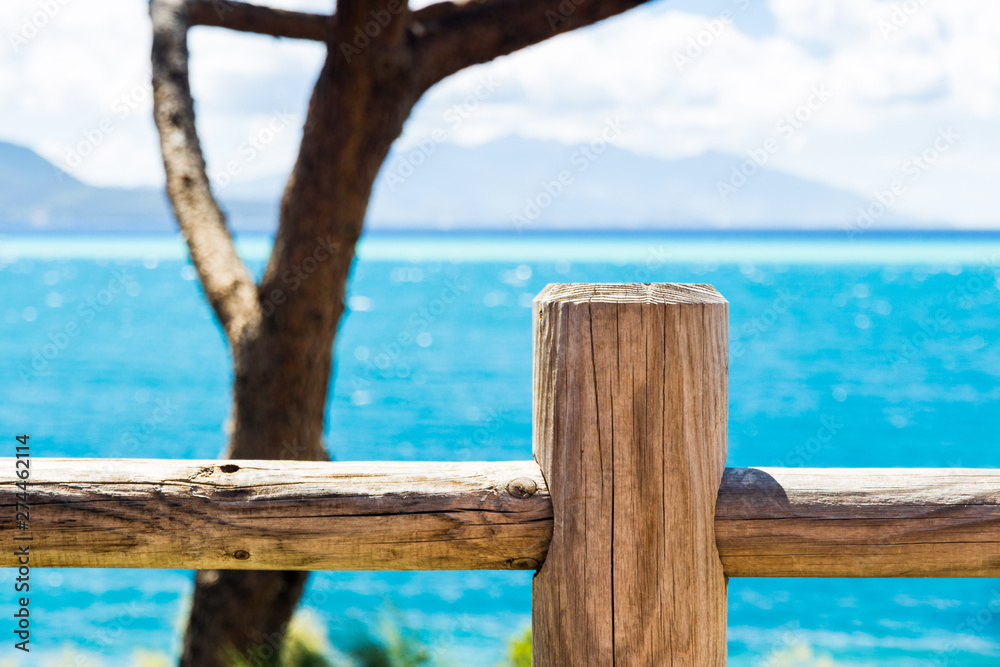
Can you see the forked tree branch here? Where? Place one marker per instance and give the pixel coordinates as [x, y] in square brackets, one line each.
[456, 35]
[226, 281]
[449, 36]
[442, 39]
[263, 20]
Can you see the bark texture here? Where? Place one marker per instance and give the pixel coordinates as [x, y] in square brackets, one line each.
[630, 395]
[420, 515]
[285, 515]
[281, 332]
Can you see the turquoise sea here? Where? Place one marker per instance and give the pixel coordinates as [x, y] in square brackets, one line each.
[895, 340]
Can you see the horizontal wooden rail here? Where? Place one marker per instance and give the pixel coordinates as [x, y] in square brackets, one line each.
[271, 515]
[769, 522]
[859, 522]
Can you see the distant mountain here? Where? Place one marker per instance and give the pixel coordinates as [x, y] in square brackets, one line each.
[514, 181]
[510, 183]
[36, 195]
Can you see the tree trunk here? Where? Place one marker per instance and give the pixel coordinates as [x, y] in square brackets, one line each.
[240, 613]
[281, 375]
[283, 358]
[381, 57]
[279, 395]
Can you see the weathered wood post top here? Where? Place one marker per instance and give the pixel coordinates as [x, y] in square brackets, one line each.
[630, 408]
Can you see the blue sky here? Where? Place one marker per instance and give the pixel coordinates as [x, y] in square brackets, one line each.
[848, 93]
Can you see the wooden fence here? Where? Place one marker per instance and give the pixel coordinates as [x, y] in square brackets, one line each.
[628, 512]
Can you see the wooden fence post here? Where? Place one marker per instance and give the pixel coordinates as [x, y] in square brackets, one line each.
[630, 406]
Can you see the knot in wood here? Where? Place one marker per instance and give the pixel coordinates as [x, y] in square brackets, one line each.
[522, 487]
[241, 555]
[524, 563]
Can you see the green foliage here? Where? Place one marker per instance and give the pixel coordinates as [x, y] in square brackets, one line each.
[144, 658]
[800, 655]
[392, 646]
[305, 646]
[519, 651]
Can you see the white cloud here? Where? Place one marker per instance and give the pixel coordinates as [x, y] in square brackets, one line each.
[62, 85]
[895, 78]
[897, 71]
[63, 71]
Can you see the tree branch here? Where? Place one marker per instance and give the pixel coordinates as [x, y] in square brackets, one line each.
[263, 20]
[227, 283]
[363, 95]
[454, 35]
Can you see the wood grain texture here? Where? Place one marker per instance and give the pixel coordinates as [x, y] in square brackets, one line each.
[859, 522]
[769, 522]
[291, 515]
[630, 433]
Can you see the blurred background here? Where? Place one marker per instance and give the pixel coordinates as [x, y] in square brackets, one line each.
[829, 167]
